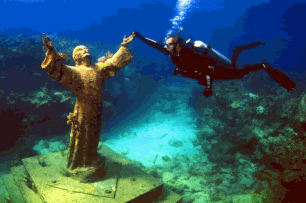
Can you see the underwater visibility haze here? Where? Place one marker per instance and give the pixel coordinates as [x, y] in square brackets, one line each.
[207, 96]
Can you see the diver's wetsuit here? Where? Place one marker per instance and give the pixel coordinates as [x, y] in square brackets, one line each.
[194, 64]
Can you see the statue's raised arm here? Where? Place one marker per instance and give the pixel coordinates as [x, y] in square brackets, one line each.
[120, 59]
[56, 69]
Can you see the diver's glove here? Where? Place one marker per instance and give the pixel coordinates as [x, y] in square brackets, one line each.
[137, 34]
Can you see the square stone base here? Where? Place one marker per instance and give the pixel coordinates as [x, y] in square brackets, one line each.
[124, 182]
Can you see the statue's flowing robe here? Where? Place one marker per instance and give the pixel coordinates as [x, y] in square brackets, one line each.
[86, 84]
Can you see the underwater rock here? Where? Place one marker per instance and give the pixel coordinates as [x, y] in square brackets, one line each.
[41, 149]
[206, 131]
[46, 147]
[168, 176]
[175, 143]
[57, 146]
[246, 180]
[125, 151]
[129, 134]
[166, 158]
[3, 199]
[301, 109]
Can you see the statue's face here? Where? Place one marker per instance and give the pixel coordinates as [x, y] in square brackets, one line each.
[81, 55]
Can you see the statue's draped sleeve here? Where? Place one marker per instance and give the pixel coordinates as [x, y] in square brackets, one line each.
[120, 59]
[66, 75]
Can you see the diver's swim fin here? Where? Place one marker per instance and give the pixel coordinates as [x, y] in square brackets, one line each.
[250, 45]
[238, 49]
[279, 77]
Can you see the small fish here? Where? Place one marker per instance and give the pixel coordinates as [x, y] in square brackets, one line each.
[65, 99]
[127, 79]
[58, 93]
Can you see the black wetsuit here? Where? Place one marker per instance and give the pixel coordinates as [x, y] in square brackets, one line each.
[191, 64]
[194, 64]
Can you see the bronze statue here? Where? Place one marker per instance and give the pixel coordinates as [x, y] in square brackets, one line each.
[85, 80]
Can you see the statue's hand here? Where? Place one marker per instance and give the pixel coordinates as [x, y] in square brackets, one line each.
[47, 43]
[128, 40]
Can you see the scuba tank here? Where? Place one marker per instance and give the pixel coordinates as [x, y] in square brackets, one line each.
[206, 50]
[210, 53]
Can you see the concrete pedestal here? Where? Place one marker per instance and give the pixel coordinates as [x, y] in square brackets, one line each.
[41, 179]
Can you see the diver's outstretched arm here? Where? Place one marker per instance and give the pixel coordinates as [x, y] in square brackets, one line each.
[152, 43]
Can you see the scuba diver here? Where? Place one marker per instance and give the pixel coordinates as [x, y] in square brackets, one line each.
[200, 61]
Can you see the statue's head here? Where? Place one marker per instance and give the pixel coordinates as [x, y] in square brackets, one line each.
[81, 55]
